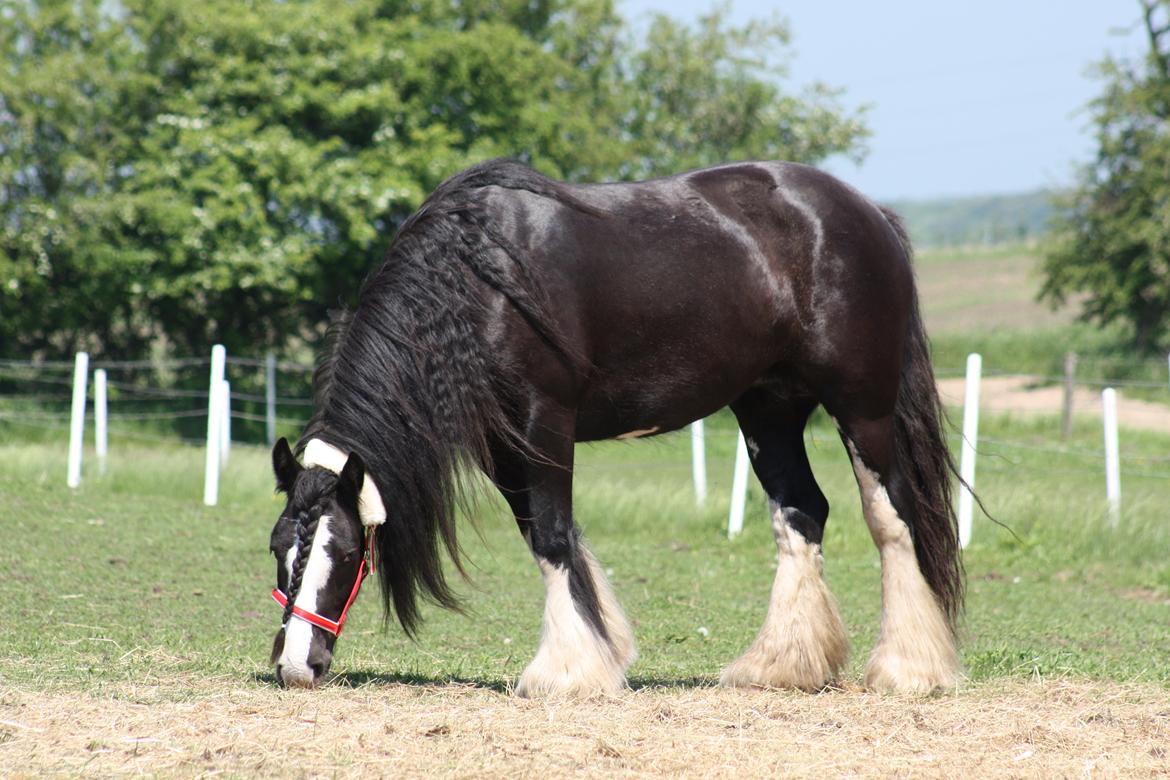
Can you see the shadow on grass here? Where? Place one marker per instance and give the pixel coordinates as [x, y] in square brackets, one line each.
[364, 679]
[659, 683]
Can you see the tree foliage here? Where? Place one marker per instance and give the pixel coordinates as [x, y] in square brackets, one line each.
[174, 174]
[1112, 237]
[708, 94]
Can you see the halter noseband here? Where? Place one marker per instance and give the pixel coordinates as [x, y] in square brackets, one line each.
[334, 626]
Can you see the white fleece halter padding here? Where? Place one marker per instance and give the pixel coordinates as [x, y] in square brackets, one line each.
[371, 510]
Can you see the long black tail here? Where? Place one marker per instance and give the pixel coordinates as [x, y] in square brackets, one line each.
[922, 452]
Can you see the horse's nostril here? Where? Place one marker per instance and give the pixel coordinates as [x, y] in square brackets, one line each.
[318, 662]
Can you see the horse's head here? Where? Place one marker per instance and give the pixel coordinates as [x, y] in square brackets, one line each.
[321, 555]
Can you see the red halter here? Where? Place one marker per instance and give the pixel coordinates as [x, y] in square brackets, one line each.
[334, 627]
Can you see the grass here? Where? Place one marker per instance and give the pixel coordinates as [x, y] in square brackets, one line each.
[984, 300]
[137, 623]
[131, 578]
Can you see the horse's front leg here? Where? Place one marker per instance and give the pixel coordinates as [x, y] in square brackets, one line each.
[586, 643]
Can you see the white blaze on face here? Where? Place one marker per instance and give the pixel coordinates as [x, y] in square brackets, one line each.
[298, 634]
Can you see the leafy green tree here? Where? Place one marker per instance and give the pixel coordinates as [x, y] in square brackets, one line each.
[67, 127]
[174, 173]
[709, 94]
[1112, 239]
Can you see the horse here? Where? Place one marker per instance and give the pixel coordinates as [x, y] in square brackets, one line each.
[514, 315]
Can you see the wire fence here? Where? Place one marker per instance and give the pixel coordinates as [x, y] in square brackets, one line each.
[160, 399]
[166, 401]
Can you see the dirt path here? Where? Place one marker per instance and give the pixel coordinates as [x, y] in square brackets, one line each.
[1020, 395]
[193, 727]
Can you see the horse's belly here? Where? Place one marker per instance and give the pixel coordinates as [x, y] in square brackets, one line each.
[668, 390]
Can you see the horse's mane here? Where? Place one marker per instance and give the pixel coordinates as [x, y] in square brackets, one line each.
[407, 383]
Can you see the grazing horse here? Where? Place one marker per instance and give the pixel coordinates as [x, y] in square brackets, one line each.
[515, 315]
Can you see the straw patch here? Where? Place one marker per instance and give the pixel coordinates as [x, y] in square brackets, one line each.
[196, 726]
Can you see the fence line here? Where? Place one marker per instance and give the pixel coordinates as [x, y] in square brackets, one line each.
[1153, 364]
[263, 418]
[77, 419]
[214, 413]
[156, 392]
[967, 451]
[238, 396]
[42, 380]
[133, 433]
[162, 364]
[219, 415]
[132, 393]
[987, 448]
[281, 365]
[61, 364]
[1051, 379]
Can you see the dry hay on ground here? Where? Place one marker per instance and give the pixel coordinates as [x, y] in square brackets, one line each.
[188, 727]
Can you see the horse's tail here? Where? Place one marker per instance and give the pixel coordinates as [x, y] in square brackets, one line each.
[921, 449]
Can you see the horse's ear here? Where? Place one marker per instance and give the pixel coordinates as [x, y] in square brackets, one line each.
[349, 481]
[284, 465]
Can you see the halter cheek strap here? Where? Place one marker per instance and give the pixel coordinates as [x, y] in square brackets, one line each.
[334, 626]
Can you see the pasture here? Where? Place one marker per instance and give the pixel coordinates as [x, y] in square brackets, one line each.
[137, 622]
[138, 626]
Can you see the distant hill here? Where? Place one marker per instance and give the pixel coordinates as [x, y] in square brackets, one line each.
[985, 220]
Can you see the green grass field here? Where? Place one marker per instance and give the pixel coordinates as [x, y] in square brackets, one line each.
[137, 622]
[984, 300]
[131, 578]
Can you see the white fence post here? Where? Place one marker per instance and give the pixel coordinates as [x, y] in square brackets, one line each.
[100, 434]
[970, 438]
[738, 488]
[698, 461]
[214, 419]
[225, 422]
[77, 418]
[270, 397]
[1112, 462]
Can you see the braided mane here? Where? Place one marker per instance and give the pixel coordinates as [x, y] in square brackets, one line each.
[306, 530]
[409, 383]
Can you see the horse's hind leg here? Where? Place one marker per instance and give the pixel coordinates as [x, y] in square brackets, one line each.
[802, 643]
[915, 652]
[586, 642]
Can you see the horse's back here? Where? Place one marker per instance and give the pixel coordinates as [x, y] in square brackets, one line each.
[716, 278]
[787, 243]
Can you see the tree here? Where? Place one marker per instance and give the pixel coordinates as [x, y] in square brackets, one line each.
[174, 174]
[708, 94]
[1112, 238]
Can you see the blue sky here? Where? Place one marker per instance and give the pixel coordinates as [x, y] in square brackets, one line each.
[966, 97]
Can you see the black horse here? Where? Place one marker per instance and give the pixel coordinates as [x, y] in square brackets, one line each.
[515, 315]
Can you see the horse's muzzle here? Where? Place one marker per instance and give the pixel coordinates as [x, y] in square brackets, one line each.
[309, 675]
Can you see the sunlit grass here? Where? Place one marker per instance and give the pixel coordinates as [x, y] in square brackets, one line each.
[131, 576]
